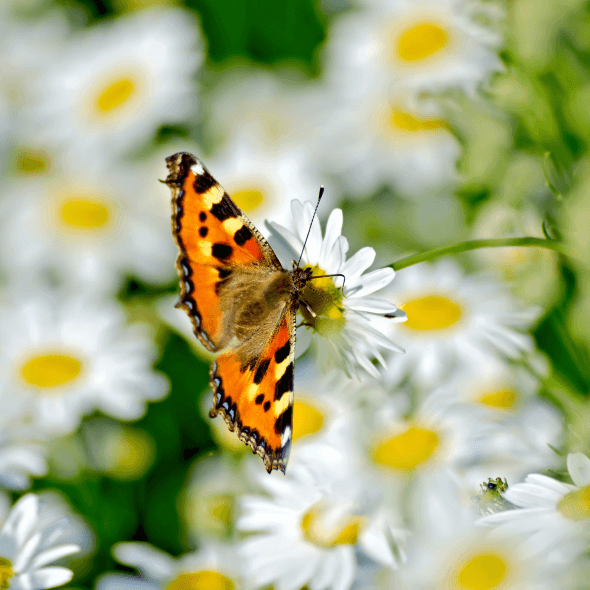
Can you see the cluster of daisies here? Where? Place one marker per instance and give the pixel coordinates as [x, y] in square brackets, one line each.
[409, 393]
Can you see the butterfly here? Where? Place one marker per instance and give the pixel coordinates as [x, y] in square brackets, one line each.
[241, 300]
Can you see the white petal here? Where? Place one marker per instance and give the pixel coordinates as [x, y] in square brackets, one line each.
[53, 554]
[147, 559]
[333, 230]
[371, 282]
[22, 518]
[27, 551]
[579, 467]
[50, 577]
[371, 305]
[357, 264]
[124, 582]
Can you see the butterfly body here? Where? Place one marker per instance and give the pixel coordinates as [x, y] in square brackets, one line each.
[240, 301]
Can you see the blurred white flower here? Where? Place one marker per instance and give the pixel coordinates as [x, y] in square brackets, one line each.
[23, 454]
[91, 226]
[554, 516]
[62, 358]
[214, 566]
[308, 530]
[28, 546]
[382, 139]
[424, 45]
[455, 320]
[342, 318]
[115, 84]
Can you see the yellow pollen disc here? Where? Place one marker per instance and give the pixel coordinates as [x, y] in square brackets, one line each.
[432, 312]
[325, 299]
[421, 41]
[32, 162]
[51, 370]
[220, 507]
[407, 450]
[84, 214]
[115, 95]
[503, 399]
[576, 505]
[306, 420]
[135, 454]
[204, 580]
[248, 200]
[483, 572]
[409, 123]
[315, 530]
[6, 573]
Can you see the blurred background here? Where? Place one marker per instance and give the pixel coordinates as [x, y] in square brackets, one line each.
[429, 122]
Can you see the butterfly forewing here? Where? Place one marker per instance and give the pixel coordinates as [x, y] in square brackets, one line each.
[236, 292]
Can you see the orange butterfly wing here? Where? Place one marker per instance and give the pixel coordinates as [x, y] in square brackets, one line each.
[259, 401]
[216, 239]
[212, 234]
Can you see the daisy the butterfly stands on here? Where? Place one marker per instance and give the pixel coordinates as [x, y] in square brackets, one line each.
[240, 298]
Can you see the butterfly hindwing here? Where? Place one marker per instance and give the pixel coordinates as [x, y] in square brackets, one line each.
[258, 400]
[214, 238]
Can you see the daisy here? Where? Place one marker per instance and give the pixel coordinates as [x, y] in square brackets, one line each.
[455, 320]
[116, 83]
[341, 316]
[554, 515]
[426, 45]
[214, 566]
[64, 358]
[382, 138]
[307, 531]
[86, 226]
[27, 548]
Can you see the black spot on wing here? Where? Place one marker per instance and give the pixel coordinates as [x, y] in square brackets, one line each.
[223, 272]
[259, 399]
[261, 371]
[202, 215]
[203, 182]
[242, 235]
[203, 231]
[224, 209]
[222, 251]
[282, 353]
[285, 383]
[266, 406]
[284, 420]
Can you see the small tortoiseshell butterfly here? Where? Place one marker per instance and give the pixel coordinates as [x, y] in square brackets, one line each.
[239, 297]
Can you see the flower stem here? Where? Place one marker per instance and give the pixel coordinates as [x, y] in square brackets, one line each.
[476, 244]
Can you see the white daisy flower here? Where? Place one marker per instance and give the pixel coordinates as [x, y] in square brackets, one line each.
[27, 548]
[554, 515]
[214, 566]
[307, 531]
[88, 226]
[341, 316]
[381, 138]
[116, 83]
[504, 396]
[63, 358]
[426, 45]
[455, 320]
[263, 181]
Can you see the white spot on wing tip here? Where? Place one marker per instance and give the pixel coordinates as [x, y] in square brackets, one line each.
[286, 436]
[198, 168]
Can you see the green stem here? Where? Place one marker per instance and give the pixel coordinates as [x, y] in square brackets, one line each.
[476, 244]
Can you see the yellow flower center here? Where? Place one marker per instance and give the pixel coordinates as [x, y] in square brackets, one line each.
[325, 299]
[220, 507]
[482, 572]
[321, 528]
[406, 122]
[51, 370]
[502, 399]
[115, 95]
[81, 213]
[432, 312]
[248, 200]
[406, 450]
[421, 41]
[32, 162]
[306, 420]
[576, 505]
[133, 455]
[203, 580]
[6, 573]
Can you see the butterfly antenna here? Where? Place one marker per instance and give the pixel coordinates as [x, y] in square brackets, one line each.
[312, 218]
